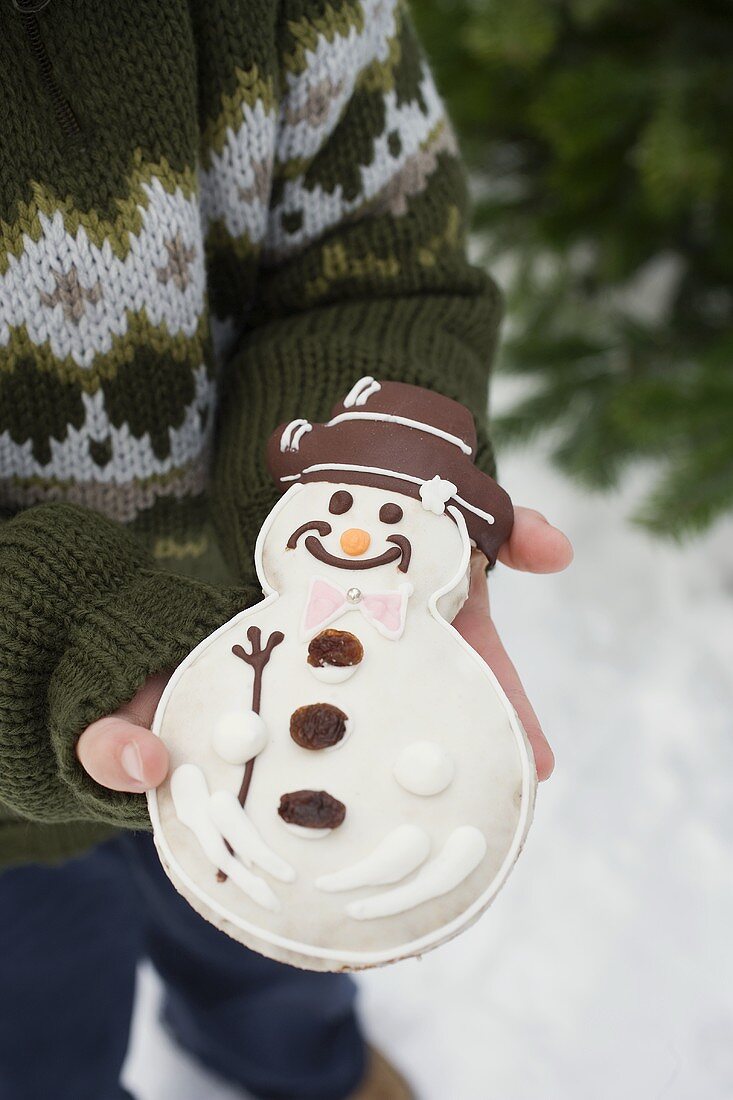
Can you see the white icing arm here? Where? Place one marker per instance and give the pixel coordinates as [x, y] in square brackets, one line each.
[232, 819]
[461, 854]
[401, 851]
[190, 795]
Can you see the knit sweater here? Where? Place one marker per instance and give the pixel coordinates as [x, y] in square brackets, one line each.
[215, 215]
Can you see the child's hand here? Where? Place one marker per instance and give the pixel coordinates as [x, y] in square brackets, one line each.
[535, 546]
[119, 751]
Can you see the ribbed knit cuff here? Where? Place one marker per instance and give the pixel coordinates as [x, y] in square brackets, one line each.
[148, 625]
[85, 619]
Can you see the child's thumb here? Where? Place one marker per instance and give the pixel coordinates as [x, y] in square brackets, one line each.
[122, 756]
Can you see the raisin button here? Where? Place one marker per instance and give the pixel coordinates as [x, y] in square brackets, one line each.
[338, 648]
[311, 809]
[317, 726]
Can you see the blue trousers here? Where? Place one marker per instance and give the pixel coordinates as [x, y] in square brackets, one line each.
[70, 938]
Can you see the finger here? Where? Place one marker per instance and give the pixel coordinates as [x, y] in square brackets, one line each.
[482, 635]
[122, 755]
[508, 677]
[535, 546]
[144, 703]
[478, 587]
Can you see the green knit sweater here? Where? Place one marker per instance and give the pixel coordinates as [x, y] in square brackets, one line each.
[215, 215]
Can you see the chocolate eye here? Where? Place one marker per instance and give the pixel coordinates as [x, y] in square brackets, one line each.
[340, 502]
[390, 513]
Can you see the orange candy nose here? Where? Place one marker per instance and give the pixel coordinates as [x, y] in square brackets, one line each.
[355, 541]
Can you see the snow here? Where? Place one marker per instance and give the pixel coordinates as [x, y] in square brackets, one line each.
[604, 968]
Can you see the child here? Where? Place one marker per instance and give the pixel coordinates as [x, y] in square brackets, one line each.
[213, 217]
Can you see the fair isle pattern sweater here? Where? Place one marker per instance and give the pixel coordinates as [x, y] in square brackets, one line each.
[215, 215]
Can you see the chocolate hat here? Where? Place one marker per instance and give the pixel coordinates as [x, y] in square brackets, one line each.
[402, 438]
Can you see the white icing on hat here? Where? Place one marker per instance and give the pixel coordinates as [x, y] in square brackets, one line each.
[406, 422]
[361, 391]
[436, 493]
[321, 467]
[293, 433]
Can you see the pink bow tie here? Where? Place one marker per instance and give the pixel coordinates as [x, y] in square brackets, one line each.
[384, 610]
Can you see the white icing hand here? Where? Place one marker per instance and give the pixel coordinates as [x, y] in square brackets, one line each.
[460, 855]
[190, 795]
[235, 825]
[401, 851]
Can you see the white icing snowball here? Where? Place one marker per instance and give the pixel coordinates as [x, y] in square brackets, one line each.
[424, 768]
[239, 736]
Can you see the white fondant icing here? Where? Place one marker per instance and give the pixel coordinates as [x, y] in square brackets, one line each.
[397, 855]
[424, 768]
[361, 391]
[406, 422]
[293, 433]
[320, 467]
[472, 508]
[436, 493]
[190, 794]
[239, 735]
[460, 855]
[306, 834]
[333, 674]
[235, 826]
[451, 602]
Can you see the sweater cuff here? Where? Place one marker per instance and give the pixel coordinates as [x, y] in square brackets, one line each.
[85, 618]
[147, 626]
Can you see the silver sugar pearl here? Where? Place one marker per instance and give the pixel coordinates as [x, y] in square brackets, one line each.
[353, 595]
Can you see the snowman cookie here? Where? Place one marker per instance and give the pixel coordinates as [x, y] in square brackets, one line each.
[349, 785]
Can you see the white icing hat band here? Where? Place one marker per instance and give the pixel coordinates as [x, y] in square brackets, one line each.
[413, 440]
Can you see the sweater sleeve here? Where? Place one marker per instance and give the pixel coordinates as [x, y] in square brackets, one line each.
[364, 267]
[85, 617]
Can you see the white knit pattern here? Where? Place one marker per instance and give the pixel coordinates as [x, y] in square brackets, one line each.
[316, 97]
[321, 210]
[235, 188]
[162, 274]
[132, 457]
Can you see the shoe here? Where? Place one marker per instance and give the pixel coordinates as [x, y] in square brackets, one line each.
[382, 1081]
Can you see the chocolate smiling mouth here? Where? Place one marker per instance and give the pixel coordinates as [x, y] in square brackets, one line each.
[401, 551]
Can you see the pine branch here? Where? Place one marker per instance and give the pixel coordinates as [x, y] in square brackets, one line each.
[599, 135]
